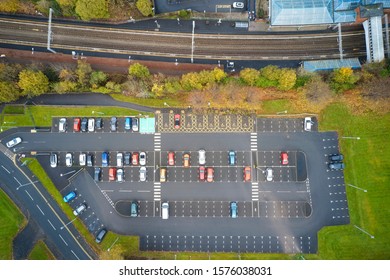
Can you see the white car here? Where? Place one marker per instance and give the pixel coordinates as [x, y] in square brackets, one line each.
[269, 174]
[13, 142]
[82, 159]
[202, 157]
[142, 174]
[79, 209]
[307, 124]
[238, 5]
[53, 160]
[119, 159]
[91, 125]
[62, 125]
[142, 158]
[69, 160]
[119, 175]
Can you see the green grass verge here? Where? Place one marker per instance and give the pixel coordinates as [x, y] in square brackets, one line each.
[276, 106]
[11, 221]
[150, 102]
[41, 252]
[367, 166]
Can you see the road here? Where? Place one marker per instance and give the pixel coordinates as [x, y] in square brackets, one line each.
[21, 185]
[156, 41]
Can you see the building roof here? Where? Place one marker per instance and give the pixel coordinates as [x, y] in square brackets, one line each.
[318, 65]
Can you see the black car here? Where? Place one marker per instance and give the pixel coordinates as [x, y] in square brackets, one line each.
[336, 157]
[98, 174]
[84, 124]
[127, 158]
[336, 166]
[89, 160]
[99, 123]
[113, 124]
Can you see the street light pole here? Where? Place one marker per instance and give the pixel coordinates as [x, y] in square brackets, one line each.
[351, 137]
[193, 38]
[362, 230]
[356, 187]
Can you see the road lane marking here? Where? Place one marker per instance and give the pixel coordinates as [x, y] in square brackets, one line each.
[75, 254]
[51, 225]
[63, 240]
[17, 181]
[143, 191]
[40, 209]
[29, 195]
[6, 170]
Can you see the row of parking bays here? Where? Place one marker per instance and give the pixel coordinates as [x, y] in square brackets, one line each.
[219, 209]
[282, 125]
[105, 124]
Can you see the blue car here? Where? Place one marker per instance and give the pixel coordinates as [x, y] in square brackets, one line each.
[233, 209]
[104, 159]
[69, 196]
[232, 158]
[128, 123]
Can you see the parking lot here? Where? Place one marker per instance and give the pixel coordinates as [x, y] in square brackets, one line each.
[280, 211]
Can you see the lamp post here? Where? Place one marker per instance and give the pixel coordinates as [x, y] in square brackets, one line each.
[351, 137]
[362, 230]
[282, 112]
[356, 187]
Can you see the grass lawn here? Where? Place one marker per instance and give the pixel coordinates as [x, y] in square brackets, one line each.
[367, 166]
[11, 221]
[41, 252]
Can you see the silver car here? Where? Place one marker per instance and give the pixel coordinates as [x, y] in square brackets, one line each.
[13, 142]
[62, 125]
[69, 160]
[53, 160]
[202, 157]
[142, 158]
[142, 174]
[119, 159]
[269, 174]
[119, 175]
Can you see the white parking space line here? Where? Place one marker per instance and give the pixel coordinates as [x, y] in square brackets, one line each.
[63, 240]
[29, 195]
[51, 225]
[6, 170]
[40, 209]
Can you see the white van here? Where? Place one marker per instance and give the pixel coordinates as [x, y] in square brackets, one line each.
[165, 210]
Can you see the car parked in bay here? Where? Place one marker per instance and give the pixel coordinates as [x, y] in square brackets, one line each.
[232, 157]
[62, 125]
[135, 124]
[177, 121]
[99, 123]
[14, 142]
[100, 236]
[336, 157]
[113, 124]
[210, 174]
[142, 174]
[134, 209]
[69, 159]
[269, 174]
[76, 124]
[70, 196]
[105, 159]
[84, 124]
[202, 157]
[202, 173]
[171, 158]
[284, 158]
[186, 160]
[142, 158]
[233, 209]
[53, 160]
[336, 166]
[247, 174]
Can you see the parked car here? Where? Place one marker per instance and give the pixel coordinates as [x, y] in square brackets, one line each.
[142, 158]
[163, 174]
[186, 160]
[171, 158]
[336, 157]
[53, 160]
[119, 159]
[112, 174]
[62, 125]
[69, 197]
[68, 159]
[177, 121]
[210, 174]
[91, 125]
[113, 123]
[89, 160]
[14, 142]
[84, 124]
[120, 175]
[233, 209]
[238, 5]
[128, 123]
[98, 174]
[100, 235]
[284, 158]
[82, 159]
[307, 124]
[80, 209]
[127, 158]
[165, 210]
[134, 158]
[142, 174]
[202, 173]
[135, 124]
[336, 166]
[202, 157]
[105, 159]
[99, 123]
[269, 174]
[134, 209]
[232, 157]
[76, 124]
[247, 174]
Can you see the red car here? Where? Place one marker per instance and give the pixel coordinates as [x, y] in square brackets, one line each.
[177, 121]
[76, 124]
[135, 158]
[284, 158]
[202, 173]
[210, 174]
[171, 158]
[112, 174]
[247, 174]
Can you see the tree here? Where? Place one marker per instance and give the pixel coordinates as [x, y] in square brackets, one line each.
[8, 92]
[271, 72]
[83, 73]
[218, 74]
[317, 90]
[33, 82]
[343, 79]
[98, 78]
[145, 7]
[249, 76]
[9, 6]
[10, 72]
[287, 79]
[92, 9]
[65, 86]
[191, 81]
[139, 71]
[67, 75]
